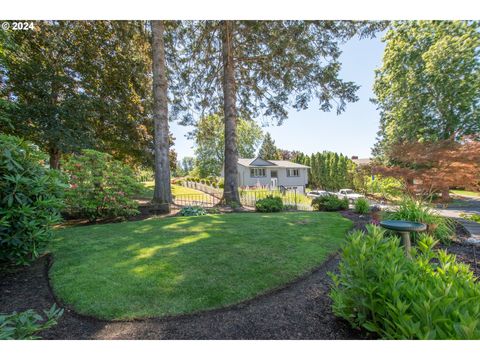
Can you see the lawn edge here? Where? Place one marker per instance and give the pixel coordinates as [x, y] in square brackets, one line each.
[49, 262]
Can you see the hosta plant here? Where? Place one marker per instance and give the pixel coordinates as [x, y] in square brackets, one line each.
[25, 325]
[192, 211]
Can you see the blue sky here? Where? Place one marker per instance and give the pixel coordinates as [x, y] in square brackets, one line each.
[351, 133]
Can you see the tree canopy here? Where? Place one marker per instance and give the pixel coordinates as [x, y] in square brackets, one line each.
[261, 68]
[209, 139]
[428, 87]
[79, 84]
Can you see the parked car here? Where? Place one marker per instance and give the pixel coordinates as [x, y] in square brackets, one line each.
[349, 194]
[317, 193]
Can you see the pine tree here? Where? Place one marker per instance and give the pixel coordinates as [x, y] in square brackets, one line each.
[255, 68]
[268, 150]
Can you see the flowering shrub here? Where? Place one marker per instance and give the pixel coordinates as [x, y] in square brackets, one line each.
[30, 200]
[100, 186]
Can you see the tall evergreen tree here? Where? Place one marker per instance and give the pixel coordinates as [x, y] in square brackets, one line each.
[268, 150]
[255, 68]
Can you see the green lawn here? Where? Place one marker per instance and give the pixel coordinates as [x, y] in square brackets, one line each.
[179, 265]
[465, 193]
[177, 191]
[289, 197]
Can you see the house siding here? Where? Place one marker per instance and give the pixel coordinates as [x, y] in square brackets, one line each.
[283, 180]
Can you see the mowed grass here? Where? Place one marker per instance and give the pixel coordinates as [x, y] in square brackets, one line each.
[179, 265]
[178, 191]
[465, 193]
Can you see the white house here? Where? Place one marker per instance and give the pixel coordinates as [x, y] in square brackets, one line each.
[272, 173]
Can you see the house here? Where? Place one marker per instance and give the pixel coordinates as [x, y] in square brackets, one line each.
[361, 162]
[272, 173]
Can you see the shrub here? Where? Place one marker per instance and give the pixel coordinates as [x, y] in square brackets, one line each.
[100, 186]
[411, 209]
[30, 200]
[221, 183]
[362, 206]
[429, 297]
[192, 211]
[269, 204]
[24, 325]
[329, 203]
[387, 187]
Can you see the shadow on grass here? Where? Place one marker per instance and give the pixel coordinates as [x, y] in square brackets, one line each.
[181, 265]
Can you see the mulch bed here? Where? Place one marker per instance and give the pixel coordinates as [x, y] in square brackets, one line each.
[301, 310]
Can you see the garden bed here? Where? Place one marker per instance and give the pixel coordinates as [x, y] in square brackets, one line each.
[301, 310]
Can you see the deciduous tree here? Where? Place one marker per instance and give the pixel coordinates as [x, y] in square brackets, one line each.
[428, 88]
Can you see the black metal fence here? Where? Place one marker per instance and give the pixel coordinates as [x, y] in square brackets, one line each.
[212, 196]
[203, 200]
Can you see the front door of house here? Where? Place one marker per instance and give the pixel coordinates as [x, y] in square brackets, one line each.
[274, 178]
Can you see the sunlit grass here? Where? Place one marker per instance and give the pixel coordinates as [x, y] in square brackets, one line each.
[465, 193]
[179, 192]
[180, 265]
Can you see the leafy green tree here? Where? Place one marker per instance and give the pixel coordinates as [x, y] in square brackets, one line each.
[268, 150]
[259, 68]
[209, 139]
[78, 84]
[428, 88]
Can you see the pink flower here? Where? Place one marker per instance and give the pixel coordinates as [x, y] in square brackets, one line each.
[73, 186]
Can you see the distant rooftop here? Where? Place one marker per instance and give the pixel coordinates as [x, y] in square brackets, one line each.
[364, 161]
[271, 163]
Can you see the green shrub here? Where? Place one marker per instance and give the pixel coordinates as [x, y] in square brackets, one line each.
[24, 325]
[329, 203]
[100, 186]
[30, 200]
[192, 211]
[269, 204]
[429, 297]
[221, 183]
[411, 209]
[362, 206]
[387, 187]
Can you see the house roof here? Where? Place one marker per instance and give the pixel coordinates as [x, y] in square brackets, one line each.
[362, 161]
[259, 162]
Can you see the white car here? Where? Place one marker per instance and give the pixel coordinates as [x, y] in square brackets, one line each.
[349, 194]
[317, 193]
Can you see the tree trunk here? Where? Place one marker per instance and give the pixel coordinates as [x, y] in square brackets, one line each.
[230, 191]
[54, 153]
[446, 194]
[162, 196]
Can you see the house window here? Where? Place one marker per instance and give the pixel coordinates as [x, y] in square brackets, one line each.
[257, 172]
[293, 172]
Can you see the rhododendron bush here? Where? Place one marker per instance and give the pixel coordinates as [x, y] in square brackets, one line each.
[100, 187]
[30, 201]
